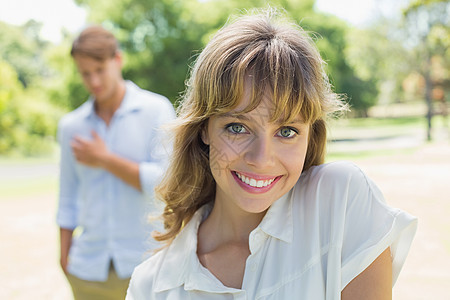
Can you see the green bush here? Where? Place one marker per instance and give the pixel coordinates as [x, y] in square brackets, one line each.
[28, 119]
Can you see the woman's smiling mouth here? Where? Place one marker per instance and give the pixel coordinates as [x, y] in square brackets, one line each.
[252, 184]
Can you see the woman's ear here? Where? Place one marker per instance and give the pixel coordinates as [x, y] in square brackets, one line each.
[205, 137]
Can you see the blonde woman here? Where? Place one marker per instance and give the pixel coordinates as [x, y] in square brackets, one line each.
[252, 211]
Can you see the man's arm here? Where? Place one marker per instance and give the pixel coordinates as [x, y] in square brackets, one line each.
[67, 213]
[374, 283]
[94, 153]
[126, 170]
[65, 238]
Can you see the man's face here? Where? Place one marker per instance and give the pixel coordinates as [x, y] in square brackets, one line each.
[100, 77]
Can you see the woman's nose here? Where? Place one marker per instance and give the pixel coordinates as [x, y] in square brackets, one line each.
[260, 152]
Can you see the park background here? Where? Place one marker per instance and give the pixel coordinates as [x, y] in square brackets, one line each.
[392, 60]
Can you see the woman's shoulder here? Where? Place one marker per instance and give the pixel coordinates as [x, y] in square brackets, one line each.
[335, 168]
[328, 190]
[334, 173]
[167, 268]
[144, 275]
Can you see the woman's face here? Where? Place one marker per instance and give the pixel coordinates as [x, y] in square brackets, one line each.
[253, 161]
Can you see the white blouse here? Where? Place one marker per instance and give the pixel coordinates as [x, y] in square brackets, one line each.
[310, 244]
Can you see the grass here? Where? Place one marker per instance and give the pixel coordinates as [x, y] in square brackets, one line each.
[361, 138]
[17, 159]
[378, 126]
[21, 176]
[389, 123]
[19, 188]
[357, 155]
[385, 122]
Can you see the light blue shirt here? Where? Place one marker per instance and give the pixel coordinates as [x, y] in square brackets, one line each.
[110, 216]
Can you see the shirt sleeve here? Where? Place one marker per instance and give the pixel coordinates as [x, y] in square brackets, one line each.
[68, 184]
[151, 171]
[370, 227]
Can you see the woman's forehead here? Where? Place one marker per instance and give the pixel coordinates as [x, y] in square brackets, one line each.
[264, 111]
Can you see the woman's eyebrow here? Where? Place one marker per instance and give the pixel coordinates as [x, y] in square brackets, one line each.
[234, 115]
[247, 118]
[296, 121]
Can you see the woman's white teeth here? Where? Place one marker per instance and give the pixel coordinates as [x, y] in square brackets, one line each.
[253, 182]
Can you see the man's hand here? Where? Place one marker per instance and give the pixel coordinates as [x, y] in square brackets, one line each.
[63, 262]
[90, 152]
[65, 238]
[94, 153]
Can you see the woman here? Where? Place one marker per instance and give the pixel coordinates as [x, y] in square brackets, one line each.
[252, 211]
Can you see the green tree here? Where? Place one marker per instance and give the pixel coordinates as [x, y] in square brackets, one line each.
[377, 55]
[361, 91]
[27, 117]
[10, 87]
[331, 38]
[428, 24]
[162, 38]
[22, 48]
[65, 89]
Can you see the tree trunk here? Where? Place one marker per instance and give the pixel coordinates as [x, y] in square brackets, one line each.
[428, 98]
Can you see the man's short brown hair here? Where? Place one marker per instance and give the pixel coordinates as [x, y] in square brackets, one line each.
[95, 42]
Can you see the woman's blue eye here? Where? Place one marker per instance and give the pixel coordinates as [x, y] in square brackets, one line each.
[236, 128]
[287, 132]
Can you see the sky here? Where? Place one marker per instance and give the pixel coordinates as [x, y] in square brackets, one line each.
[54, 14]
[360, 12]
[58, 14]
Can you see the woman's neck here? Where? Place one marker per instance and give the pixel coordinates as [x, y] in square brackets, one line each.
[223, 246]
[227, 225]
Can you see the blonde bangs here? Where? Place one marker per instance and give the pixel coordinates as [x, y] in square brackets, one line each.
[279, 62]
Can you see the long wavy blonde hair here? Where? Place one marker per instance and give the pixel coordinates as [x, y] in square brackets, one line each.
[281, 58]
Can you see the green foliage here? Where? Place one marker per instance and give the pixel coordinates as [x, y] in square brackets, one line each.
[377, 56]
[37, 121]
[27, 118]
[27, 122]
[9, 88]
[65, 89]
[158, 37]
[428, 28]
[162, 38]
[425, 18]
[22, 49]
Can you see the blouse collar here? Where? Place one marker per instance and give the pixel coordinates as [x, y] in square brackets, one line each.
[181, 266]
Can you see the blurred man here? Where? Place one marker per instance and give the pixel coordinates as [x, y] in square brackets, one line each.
[112, 154]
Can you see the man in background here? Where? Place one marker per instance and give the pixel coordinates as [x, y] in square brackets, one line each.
[112, 154]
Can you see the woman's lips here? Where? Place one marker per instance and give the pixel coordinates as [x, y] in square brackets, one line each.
[255, 184]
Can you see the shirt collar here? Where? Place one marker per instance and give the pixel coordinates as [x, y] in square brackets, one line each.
[128, 104]
[130, 101]
[181, 265]
[180, 256]
[87, 108]
[278, 220]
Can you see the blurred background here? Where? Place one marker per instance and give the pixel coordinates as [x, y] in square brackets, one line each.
[391, 59]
